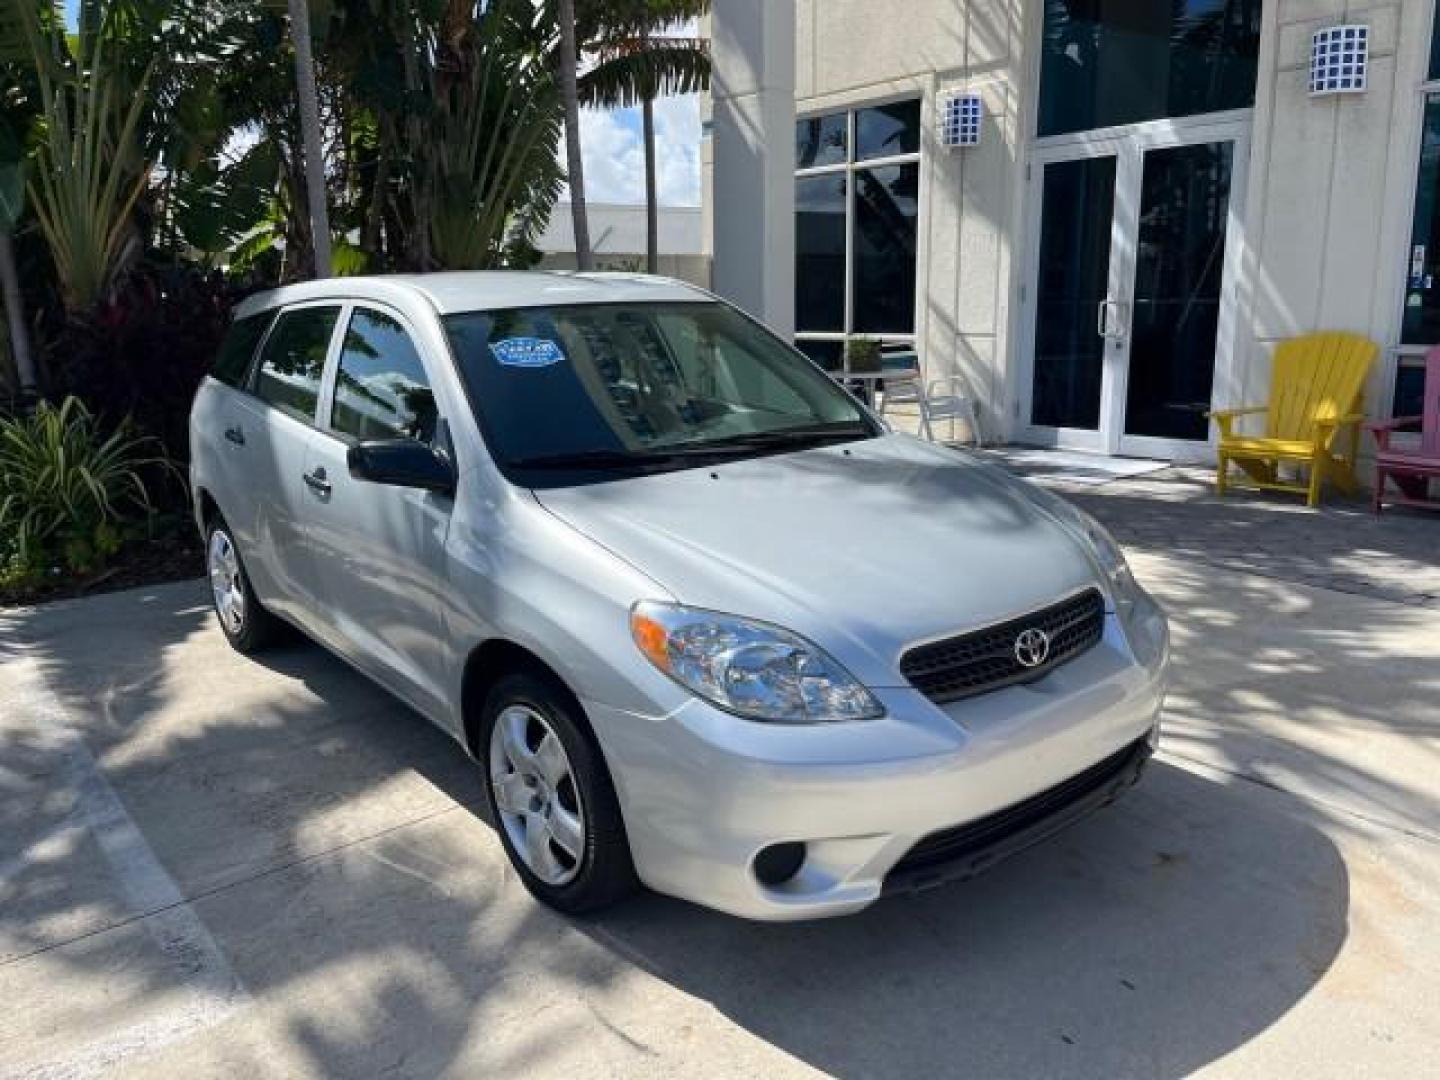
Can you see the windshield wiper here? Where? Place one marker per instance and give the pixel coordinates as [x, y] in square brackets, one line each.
[591, 459]
[719, 448]
[617, 459]
[813, 435]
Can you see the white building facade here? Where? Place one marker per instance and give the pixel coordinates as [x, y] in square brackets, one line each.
[618, 240]
[1156, 196]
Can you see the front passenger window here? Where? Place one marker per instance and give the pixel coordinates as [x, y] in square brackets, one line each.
[293, 360]
[381, 391]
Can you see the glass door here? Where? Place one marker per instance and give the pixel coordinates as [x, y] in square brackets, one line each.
[1131, 276]
[1077, 268]
[1176, 294]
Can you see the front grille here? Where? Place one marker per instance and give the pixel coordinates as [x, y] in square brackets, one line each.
[975, 837]
[985, 660]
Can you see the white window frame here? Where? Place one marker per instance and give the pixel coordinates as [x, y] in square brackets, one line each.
[849, 167]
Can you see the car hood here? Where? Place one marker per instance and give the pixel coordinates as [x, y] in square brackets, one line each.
[864, 548]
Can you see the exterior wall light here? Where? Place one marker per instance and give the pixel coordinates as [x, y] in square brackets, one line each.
[1339, 60]
[960, 116]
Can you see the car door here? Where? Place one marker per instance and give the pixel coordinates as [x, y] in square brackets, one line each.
[380, 549]
[282, 412]
[219, 451]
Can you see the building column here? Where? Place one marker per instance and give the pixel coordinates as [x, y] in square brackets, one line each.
[753, 94]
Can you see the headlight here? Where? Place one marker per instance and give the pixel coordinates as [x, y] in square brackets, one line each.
[749, 668]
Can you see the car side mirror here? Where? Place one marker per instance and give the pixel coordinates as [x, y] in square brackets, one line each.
[401, 463]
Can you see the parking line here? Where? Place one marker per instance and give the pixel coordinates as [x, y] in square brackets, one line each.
[214, 992]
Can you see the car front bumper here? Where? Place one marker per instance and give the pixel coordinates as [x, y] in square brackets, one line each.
[704, 793]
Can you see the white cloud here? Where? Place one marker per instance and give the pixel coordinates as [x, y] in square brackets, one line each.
[614, 153]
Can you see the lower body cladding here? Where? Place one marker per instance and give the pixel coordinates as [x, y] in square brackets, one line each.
[780, 822]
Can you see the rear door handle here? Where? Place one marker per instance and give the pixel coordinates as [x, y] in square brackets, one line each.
[317, 481]
[236, 435]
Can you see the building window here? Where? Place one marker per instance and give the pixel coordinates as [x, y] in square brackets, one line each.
[857, 208]
[1420, 325]
[1111, 62]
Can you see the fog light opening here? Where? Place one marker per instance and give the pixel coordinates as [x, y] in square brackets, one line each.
[778, 863]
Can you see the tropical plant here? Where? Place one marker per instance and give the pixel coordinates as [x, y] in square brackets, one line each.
[490, 151]
[88, 172]
[640, 57]
[863, 354]
[69, 488]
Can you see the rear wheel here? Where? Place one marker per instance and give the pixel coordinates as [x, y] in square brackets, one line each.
[552, 798]
[248, 626]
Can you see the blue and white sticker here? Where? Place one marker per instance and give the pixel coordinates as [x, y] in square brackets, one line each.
[526, 352]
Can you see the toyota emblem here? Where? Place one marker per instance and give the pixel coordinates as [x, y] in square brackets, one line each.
[1032, 647]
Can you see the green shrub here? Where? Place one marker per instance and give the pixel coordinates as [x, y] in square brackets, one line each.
[68, 491]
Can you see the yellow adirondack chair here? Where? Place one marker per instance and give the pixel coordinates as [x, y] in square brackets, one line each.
[1317, 386]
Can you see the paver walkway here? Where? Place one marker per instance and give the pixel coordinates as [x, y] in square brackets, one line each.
[1340, 546]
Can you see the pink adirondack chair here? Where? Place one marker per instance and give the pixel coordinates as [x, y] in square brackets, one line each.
[1411, 469]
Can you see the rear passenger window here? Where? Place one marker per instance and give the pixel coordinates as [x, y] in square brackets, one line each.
[233, 364]
[381, 391]
[293, 360]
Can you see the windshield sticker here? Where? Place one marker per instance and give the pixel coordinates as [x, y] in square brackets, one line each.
[526, 352]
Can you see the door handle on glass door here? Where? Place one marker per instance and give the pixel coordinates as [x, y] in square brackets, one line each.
[236, 435]
[317, 481]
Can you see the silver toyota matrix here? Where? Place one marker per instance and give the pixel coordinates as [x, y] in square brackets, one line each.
[704, 622]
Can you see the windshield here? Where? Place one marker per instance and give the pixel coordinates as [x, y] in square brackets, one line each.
[583, 392]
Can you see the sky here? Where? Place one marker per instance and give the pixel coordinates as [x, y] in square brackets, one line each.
[615, 153]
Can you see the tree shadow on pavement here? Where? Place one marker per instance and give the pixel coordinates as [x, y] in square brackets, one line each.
[330, 847]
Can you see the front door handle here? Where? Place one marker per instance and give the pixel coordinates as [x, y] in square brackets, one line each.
[317, 481]
[236, 435]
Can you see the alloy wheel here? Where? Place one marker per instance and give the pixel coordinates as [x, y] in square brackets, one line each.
[225, 581]
[536, 795]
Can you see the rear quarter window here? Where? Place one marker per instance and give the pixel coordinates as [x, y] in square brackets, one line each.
[232, 366]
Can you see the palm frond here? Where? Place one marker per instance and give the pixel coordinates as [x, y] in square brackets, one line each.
[631, 70]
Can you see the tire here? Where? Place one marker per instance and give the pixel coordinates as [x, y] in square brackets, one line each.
[247, 626]
[537, 796]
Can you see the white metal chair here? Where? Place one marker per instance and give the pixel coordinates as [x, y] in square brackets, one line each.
[952, 399]
[949, 399]
[907, 387]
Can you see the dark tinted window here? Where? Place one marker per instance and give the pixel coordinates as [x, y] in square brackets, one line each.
[381, 390]
[886, 208]
[233, 364]
[821, 140]
[830, 355]
[1409, 391]
[887, 130]
[1435, 48]
[1422, 290]
[293, 360]
[820, 252]
[1108, 62]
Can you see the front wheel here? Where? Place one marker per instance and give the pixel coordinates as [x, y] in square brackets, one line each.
[248, 626]
[551, 797]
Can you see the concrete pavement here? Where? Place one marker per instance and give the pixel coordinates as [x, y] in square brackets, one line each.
[212, 866]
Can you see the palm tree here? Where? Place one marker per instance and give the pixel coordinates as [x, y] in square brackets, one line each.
[310, 135]
[12, 204]
[639, 60]
[568, 61]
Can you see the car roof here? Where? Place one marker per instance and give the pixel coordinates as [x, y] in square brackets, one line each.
[481, 290]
